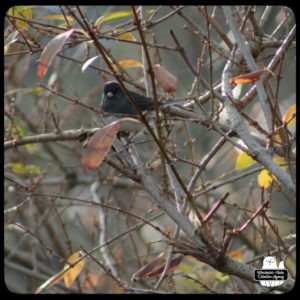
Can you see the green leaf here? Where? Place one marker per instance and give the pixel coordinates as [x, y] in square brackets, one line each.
[34, 91]
[20, 168]
[113, 16]
[117, 15]
[222, 277]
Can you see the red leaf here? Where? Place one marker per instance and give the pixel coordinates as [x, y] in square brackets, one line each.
[50, 51]
[149, 267]
[249, 77]
[99, 145]
[173, 265]
[157, 265]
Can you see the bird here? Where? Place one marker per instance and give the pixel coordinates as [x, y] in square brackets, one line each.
[116, 102]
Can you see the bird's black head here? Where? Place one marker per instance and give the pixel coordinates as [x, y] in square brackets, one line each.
[112, 88]
[115, 101]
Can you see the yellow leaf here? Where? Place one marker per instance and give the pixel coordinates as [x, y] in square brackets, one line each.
[277, 138]
[128, 36]
[280, 161]
[129, 63]
[71, 21]
[121, 34]
[265, 179]
[222, 277]
[21, 11]
[243, 161]
[59, 17]
[73, 273]
[290, 115]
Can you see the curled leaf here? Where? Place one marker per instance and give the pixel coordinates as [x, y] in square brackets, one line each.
[73, 272]
[149, 267]
[249, 77]
[173, 265]
[112, 16]
[127, 36]
[166, 80]
[129, 63]
[157, 265]
[120, 33]
[88, 63]
[69, 276]
[50, 51]
[99, 145]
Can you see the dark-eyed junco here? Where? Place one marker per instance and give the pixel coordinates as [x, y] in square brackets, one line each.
[115, 101]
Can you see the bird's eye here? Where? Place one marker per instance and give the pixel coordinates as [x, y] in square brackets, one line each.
[109, 94]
